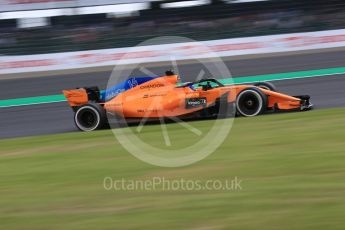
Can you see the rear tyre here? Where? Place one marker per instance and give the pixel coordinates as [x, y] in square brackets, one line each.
[266, 85]
[251, 102]
[90, 117]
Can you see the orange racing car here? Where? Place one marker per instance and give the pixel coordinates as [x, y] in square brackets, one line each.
[163, 97]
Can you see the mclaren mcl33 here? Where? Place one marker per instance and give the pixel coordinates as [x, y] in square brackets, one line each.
[164, 97]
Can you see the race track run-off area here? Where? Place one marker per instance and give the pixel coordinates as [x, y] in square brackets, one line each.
[290, 168]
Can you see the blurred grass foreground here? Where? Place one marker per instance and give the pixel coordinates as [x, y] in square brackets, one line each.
[291, 167]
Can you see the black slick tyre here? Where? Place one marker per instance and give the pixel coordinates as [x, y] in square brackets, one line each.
[90, 117]
[266, 85]
[251, 102]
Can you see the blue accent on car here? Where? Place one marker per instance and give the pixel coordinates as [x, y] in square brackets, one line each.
[106, 95]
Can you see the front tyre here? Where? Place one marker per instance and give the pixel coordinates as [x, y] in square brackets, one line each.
[90, 117]
[266, 85]
[251, 102]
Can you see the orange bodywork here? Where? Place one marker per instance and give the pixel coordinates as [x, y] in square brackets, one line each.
[161, 97]
[76, 97]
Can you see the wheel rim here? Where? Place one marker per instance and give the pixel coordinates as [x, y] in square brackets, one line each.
[87, 118]
[249, 103]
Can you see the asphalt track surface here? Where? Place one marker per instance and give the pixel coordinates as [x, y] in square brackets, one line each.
[52, 118]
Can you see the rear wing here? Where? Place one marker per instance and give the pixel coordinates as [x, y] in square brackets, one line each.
[81, 96]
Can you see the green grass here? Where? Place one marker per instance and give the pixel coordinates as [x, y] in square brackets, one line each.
[292, 168]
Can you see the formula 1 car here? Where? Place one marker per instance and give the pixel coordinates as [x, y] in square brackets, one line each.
[163, 97]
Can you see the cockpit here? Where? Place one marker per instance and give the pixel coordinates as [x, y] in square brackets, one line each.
[204, 84]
